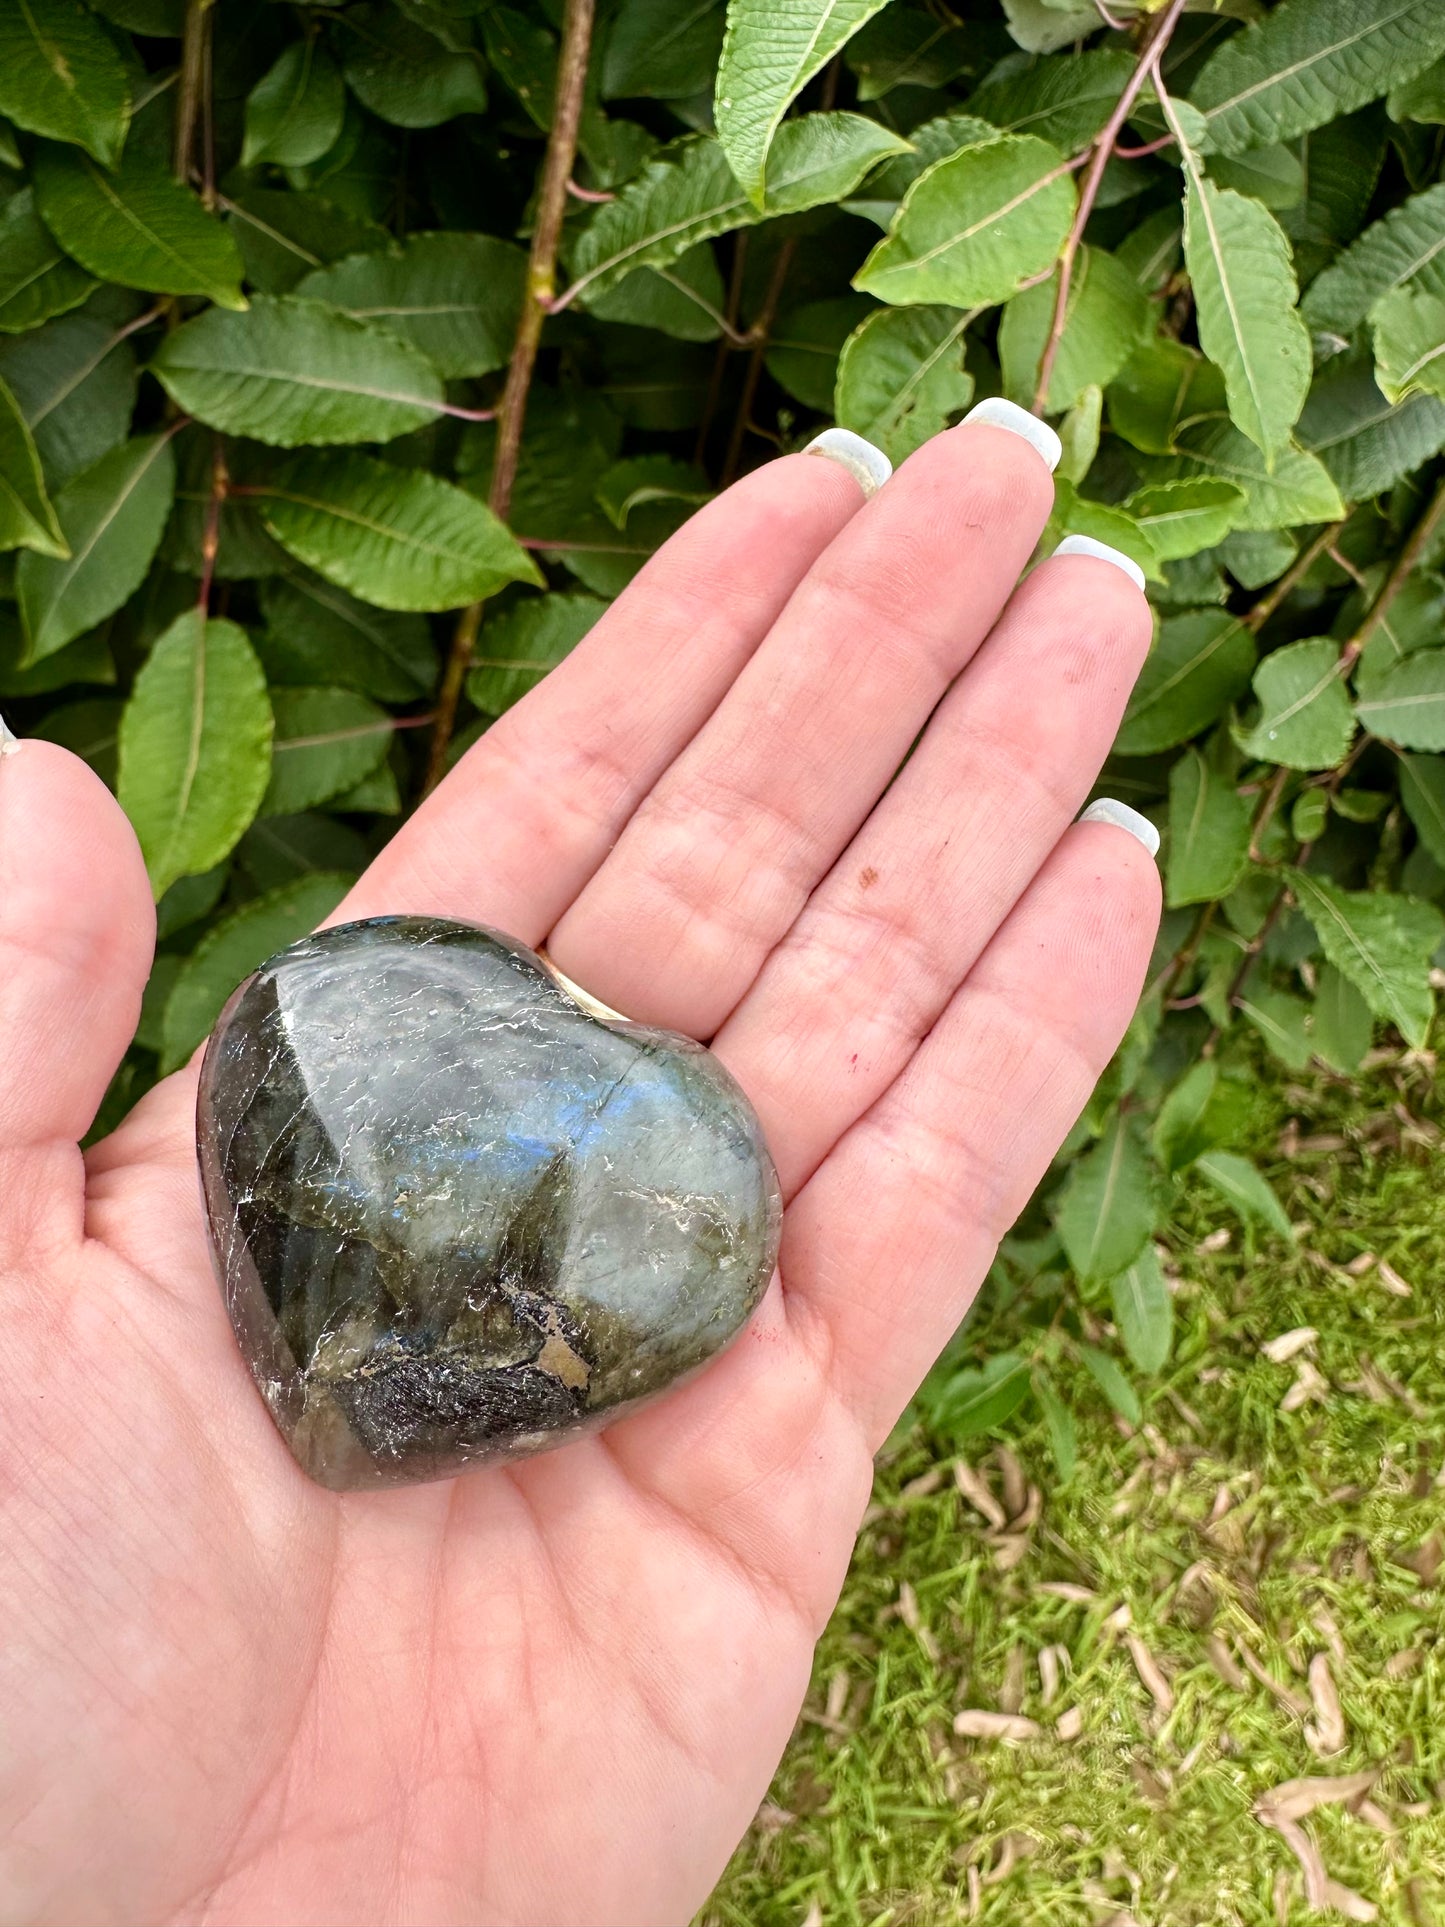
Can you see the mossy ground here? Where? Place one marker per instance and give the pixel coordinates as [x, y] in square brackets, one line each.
[1183, 1606]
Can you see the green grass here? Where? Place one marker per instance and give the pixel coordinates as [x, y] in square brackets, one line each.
[1225, 1530]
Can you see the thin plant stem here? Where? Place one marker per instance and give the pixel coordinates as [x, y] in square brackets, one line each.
[761, 334]
[192, 86]
[1260, 614]
[1406, 563]
[211, 537]
[1103, 148]
[536, 306]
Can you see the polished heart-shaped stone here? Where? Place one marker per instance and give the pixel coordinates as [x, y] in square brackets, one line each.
[455, 1216]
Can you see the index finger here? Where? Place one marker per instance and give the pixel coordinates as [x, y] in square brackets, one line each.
[530, 811]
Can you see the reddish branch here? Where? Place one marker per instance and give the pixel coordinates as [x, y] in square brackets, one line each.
[192, 88]
[211, 536]
[536, 306]
[1103, 148]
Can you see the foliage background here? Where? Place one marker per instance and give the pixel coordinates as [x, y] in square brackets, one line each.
[352, 357]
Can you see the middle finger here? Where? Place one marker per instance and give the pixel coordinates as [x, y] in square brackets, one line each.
[723, 853]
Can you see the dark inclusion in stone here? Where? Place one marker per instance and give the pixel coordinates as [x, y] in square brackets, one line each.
[456, 1218]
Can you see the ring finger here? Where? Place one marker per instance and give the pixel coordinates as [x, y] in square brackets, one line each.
[1003, 768]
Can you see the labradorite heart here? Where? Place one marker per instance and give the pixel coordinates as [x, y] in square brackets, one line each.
[456, 1217]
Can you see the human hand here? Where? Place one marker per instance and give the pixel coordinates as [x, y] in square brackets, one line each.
[555, 1691]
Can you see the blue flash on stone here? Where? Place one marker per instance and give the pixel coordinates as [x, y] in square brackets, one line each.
[455, 1217]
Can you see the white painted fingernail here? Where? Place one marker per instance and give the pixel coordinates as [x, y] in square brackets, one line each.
[1106, 810]
[1101, 552]
[869, 466]
[9, 742]
[998, 413]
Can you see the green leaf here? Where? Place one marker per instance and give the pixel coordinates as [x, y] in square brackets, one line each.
[1201, 664]
[326, 741]
[1281, 1020]
[522, 53]
[87, 729]
[456, 297]
[293, 372]
[27, 520]
[1245, 293]
[1059, 1424]
[802, 355]
[1308, 62]
[1076, 514]
[1180, 1129]
[979, 1398]
[1110, 1203]
[1079, 433]
[1255, 557]
[1422, 98]
[974, 227]
[295, 111]
[60, 75]
[195, 747]
[36, 278]
[1298, 489]
[690, 194]
[284, 237]
[685, 299]
[1209, 827]
[404, 74]
[1241, 1185]
[1181, 518]
[900, 48]
[1343, 1027]
[75, 381]
[1407, 704]
[112, 516]
[644, 481]
[516, 648]
[1043, 26]
[397, 537]
[1271, 174]
[1308, 815]
[1365, 442]
[86, 660]
[137, 226]
[1153, 250]
[232, 949]
[771, 51]
[1162, 385]
[1383, 943]
[1305, 717]
[1412, 620]
[662, 49]
[317, 633]
[1111, 1381]
[901, 376]
[1409, 331]
[1065, 101]
[1405, 247]
[1105, 319]
[1144, 1311]
[935, 140]
[279, 849]
[1422, 790]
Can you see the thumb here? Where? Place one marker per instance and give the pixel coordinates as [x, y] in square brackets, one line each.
[77, 933]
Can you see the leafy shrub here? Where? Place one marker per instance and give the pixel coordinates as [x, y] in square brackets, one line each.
[307, 473]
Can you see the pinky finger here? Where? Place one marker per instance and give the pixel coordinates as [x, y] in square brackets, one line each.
[923, 1187]
[77, 930]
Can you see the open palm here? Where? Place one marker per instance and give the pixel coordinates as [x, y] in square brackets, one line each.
[555, 1692]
